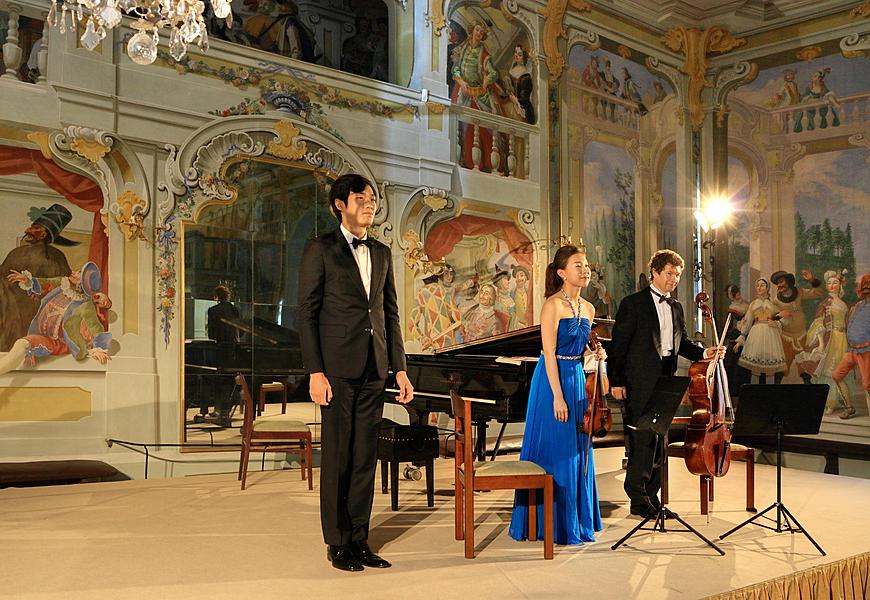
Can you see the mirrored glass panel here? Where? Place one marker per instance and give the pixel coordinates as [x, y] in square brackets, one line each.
[241, 274]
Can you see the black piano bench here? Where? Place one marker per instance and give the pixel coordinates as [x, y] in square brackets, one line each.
[407, 443]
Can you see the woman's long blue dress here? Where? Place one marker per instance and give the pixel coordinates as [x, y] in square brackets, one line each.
[560, 448]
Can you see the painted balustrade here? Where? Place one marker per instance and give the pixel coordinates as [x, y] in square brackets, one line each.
[499, 145]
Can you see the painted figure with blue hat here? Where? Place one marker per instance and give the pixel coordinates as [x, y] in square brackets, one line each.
[67, 321]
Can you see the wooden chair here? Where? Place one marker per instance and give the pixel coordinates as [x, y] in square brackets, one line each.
[502, 475]
[272, 434]
[738, 452]
[266, 388]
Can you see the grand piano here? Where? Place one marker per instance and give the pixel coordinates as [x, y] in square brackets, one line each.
[494, 373]
[266, 352]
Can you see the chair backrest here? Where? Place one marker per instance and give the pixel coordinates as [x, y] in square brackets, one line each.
[248, 402]
[464, 443]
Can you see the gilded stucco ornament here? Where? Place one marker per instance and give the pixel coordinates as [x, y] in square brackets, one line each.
[129, 213]
[861, 11]
[435, 16]
[288, 144]
[554, 29]
[696, 45]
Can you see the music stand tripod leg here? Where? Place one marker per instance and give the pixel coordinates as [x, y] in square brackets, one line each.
[665, 513]
[800, 528]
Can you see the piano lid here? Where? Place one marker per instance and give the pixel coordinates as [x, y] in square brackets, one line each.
[265, 330]
[520, 342]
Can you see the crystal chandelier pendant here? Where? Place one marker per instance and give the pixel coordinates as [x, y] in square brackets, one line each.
[110, 16]
[142, 48]
[91, 38]
[221, 8]
[183, 18]
[177, 47]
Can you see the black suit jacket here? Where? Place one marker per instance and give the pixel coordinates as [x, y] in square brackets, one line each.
[336, 321]
[634, 354]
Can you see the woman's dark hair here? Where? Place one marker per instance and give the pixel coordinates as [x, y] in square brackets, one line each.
[342, 188]
[560, 261]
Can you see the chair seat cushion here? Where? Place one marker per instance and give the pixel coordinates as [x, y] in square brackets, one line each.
[501, 468]
[279, 425]
[682, 446]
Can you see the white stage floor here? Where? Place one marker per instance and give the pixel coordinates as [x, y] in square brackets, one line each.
[202, 537]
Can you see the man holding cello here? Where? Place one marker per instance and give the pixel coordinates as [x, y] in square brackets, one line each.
[648, 335]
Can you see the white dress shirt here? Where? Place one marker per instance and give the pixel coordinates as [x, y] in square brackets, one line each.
[362, 257]
[666, 321]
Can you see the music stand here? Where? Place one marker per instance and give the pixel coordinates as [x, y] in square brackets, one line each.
[794, 409]
[657, 418]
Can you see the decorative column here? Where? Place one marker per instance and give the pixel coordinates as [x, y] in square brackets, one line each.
[573, 222]
[11, 50]
[702, 149]
[42, 57]
[782, 242]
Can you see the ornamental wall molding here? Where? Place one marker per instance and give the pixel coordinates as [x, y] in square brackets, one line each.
[106, 159]
[696, 45]
[729, 79]
[554, 30]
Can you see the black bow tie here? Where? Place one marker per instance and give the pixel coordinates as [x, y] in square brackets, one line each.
[358, 242]
[667, 299]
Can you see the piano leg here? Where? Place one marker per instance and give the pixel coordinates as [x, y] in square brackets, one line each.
[498, 441]
[480, 449]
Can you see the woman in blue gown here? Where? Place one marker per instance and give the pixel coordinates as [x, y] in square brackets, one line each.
[553, 435]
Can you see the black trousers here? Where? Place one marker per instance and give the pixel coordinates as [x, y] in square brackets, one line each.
[349, 447]
[646, 452]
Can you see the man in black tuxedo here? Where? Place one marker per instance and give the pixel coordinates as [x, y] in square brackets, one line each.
[350, 334]
[648, 335]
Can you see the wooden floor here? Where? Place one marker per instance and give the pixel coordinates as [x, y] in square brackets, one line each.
[201, 537]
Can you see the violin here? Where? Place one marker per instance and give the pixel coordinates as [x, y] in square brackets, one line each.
[597, 419]
[708, 436]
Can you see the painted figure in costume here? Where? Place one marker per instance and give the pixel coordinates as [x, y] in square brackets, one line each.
[553, 436]
[858, 353]
[356, 52]
[609, 82]
[630, 91]
[523, 86]
[591, 76]
[476, 79]
[435, 317]
[38, 256]
[67, 321]
[483, 320]
[788, 94]
[283, 33]
[596, 293]
[504, 302]
[817, 90]
[737, 308]
[455, 36]
[789, 301]
[760, 338]
[826, 342]
[521, 295]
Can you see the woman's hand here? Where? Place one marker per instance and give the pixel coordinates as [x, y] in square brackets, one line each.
[601, 353]
[560, 409]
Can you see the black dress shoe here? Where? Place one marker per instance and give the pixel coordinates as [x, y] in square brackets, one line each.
[343, 558]
[364, 555]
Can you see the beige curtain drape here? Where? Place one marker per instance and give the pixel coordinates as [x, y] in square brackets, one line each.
[845, 579]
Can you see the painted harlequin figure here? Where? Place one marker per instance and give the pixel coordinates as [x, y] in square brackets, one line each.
[66, 322]
[858, 352]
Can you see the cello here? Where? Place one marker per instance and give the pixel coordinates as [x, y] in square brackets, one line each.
[597, 418]
[708, 435]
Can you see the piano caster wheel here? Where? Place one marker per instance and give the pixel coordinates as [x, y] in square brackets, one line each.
[412, 473]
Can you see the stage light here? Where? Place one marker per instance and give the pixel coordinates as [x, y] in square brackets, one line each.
[713, 213]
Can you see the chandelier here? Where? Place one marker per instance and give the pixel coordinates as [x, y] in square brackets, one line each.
[183, 17]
